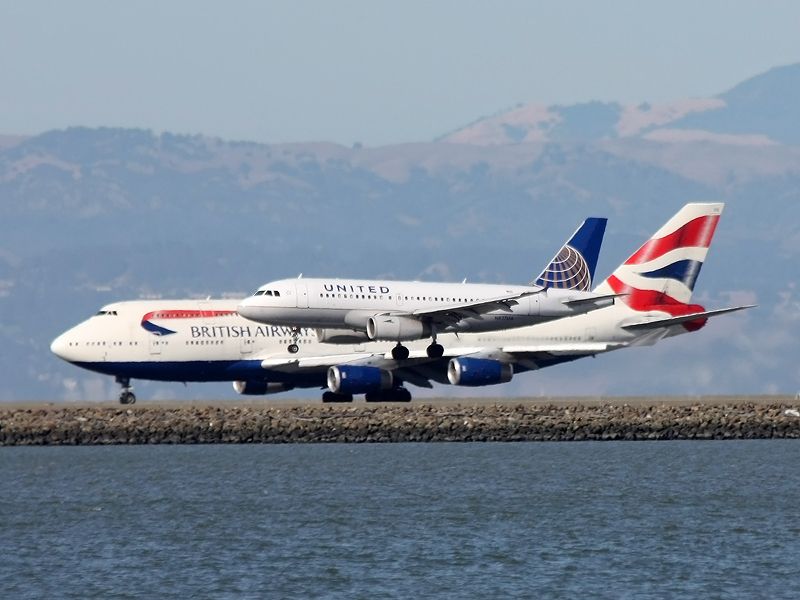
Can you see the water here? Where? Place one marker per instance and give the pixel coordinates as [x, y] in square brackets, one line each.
[602, 520]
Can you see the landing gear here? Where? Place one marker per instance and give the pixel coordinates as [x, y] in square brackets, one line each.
[435, 350]
[399, 352]
[293, 347]
[400, 394]
[126, 396]
[330, 397]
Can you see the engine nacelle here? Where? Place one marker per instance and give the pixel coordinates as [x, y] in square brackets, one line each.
[478, 371]
[393, 328]
[341, 336]
[352, 379]
[260, 388]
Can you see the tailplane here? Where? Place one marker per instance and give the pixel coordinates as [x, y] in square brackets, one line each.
[574, 265]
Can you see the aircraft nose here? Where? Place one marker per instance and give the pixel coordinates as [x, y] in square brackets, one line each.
[60, 347]
[246, 309]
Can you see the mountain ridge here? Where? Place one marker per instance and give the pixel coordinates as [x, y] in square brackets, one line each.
[89, 216]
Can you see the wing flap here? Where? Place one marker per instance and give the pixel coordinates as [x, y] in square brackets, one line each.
[312, 362]
[478, 307]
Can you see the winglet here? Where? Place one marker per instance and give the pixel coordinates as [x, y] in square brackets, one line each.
[574, 265]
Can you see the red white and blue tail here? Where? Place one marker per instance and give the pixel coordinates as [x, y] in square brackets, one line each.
[660, 276]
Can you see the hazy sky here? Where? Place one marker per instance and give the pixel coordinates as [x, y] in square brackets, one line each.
[372, 71]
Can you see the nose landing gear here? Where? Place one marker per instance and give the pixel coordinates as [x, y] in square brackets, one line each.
[126, 396]
[293, 347]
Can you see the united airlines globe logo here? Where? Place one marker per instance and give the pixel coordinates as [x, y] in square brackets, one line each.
[568, 270]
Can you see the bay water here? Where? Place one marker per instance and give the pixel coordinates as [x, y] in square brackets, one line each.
[522, 520]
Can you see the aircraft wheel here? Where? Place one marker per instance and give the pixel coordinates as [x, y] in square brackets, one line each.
[293, 348]
[399, 352]
[435, 350]
[127, 398]
[331, 397]
[396, 395]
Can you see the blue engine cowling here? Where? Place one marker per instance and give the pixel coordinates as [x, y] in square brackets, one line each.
[478, 371]
[352, 379]
[260, 388]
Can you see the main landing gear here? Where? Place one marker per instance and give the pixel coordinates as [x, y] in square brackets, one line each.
[293, 347]
[400, 394]
[400, 352]
[126, 396]
[331, 397]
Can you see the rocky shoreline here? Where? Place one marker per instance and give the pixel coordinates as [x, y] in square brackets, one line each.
[423, 422]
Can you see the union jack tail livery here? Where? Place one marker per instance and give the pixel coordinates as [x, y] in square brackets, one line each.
[573, 267]
[660, 276]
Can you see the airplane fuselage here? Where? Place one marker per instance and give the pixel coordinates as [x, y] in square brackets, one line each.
[333, 303]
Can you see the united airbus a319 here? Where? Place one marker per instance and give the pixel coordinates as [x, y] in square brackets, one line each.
[348, 310]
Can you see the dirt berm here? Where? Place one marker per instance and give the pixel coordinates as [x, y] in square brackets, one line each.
[418, 422]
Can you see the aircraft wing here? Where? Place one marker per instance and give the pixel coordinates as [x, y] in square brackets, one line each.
[456, 312]
[420, 370]
[323, 361]
[669, 321]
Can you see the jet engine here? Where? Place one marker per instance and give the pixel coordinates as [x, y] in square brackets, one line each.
[393, 328]
[478, 371]
[352, 379]
[260, 388]
[341, 336]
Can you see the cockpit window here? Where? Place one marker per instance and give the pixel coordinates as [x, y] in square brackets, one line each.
[269, 293]
[259, 293]
[100, 313]
[277, 293]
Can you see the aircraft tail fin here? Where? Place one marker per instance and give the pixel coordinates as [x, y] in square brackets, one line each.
[661, 274]
[572, 268]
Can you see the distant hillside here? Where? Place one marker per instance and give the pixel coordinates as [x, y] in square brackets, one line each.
[760, 111]
[88, 216]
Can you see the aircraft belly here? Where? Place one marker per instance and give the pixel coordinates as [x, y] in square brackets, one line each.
[203, 370]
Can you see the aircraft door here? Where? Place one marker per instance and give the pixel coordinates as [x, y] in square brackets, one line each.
[302, 295]
[591, 334]
[155, 344]
[246, 344]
